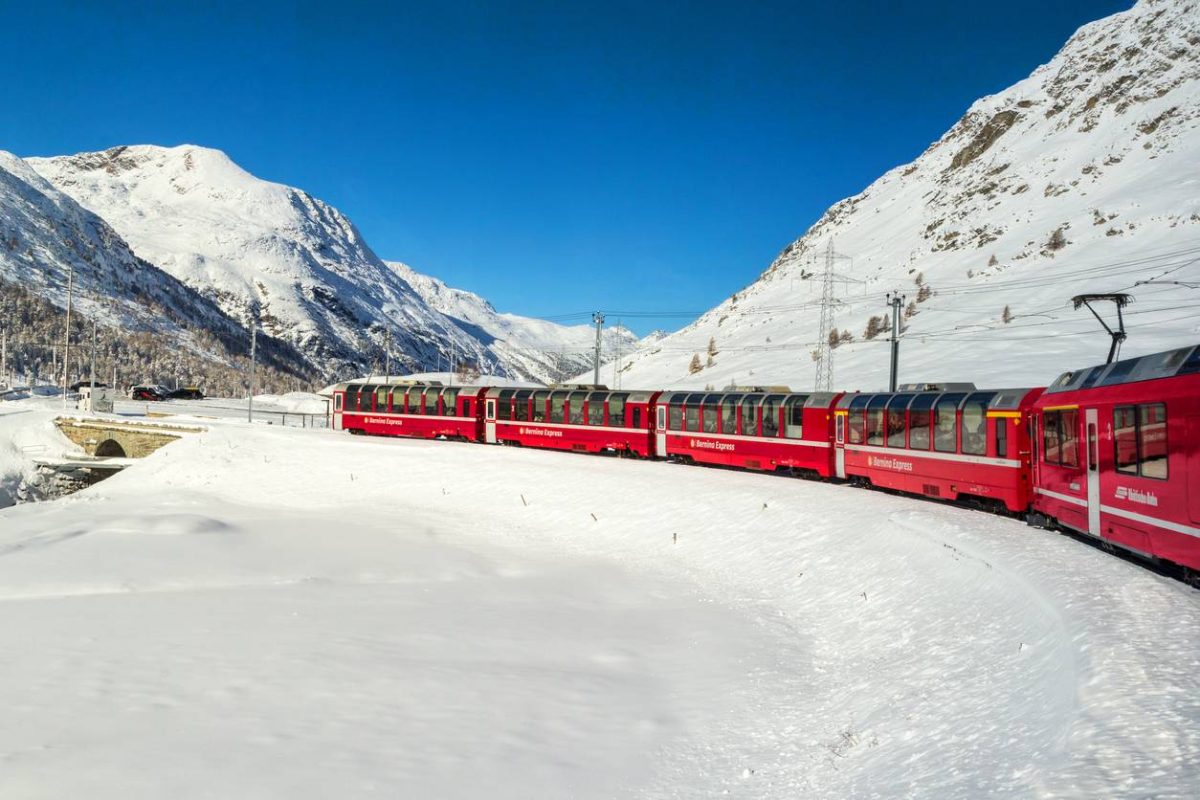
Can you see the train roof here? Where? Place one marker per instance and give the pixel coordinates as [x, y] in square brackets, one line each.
[1167, 364]
[997, 399]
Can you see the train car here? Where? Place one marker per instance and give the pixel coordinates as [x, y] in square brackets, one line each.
[751, 429]
[421, 410]
[951, 442]
[1119, 455]
[585, 419]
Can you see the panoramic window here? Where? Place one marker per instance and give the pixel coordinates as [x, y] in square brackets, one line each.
[539, 406]
[944, 439]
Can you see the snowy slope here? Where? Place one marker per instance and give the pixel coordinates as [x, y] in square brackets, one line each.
[1101, 145]
[214, 622]
[44, 235]
[247, 243]
[529, 348]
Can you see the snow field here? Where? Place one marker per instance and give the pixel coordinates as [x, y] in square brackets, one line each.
[260, 612]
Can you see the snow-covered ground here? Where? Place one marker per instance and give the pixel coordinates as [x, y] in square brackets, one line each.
[267, 612]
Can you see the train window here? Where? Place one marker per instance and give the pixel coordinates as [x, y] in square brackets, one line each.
[575, 408]
[616, 411]
[895, 420]
[467, 407]
[856, 421]
[337, 402]
[1001, 437]
[366, 396]
[770, 415]
[558, 406]
[793, 416]
[636, 422]
[1125, 439]
[675, 418]
[943, 425]
[1140, 439]
[750, 414]
[504, 405]
[729, 404]
[381, 398]
[539, 406]
[450, 402]
[875, 426]
[1052, 437]
[397, 399]
[918, 429]
[595, 408]
[974, 427]
[709, 419]
[521, 405]
[691, 416]
[351, 401]
[1070, 438]
[413, 397]
[1152, 440]
[1060, 437]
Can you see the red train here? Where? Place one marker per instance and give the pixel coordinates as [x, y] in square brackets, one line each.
[1111, 451]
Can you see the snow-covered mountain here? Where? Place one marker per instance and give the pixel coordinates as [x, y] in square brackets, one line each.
[46, 235]
[253, 246]
[1084, 177]
[528, 348]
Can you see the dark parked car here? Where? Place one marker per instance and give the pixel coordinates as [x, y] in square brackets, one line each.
[75, 387]
[152, 393]
[186, 393]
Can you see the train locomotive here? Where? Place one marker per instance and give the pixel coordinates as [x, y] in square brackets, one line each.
[1110, 452]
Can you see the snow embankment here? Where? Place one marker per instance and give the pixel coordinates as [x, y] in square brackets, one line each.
[273, 612]
[27, 433]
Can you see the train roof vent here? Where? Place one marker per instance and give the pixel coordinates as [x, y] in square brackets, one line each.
[937, 387]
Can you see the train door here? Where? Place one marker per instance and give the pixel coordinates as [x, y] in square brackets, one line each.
[839, 444]
[1193, 468]
[660, 431]
[489, 420]
[1092, 449]
[337, 410]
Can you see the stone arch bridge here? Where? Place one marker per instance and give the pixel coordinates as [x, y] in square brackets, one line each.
[114, 438]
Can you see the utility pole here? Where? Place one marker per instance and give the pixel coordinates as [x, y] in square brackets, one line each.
[617, 363]
[896, 301]
[4, 356]
[597, 318]
[387, 356]
[250, 399]
[67, 337]
[826, 329]
[92, 370]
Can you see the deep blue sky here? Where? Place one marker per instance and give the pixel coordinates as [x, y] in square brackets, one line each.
[555, 157]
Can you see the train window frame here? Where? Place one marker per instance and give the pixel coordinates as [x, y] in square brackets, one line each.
[450, 402]
[974, 442]
[414, 399]
[558, 407]
[793, 416]
[1064, 424]
[769, 411]
[922, 404]
[596, 415]
[504, 406]
[615, 416]
[675, 417]
[575, 401]
[750, 401]
[369, 393]
[521, 405]
[729, 415]
[1140, 461]
[896, 411]
[351, 392]
[946, 408]
[540, 399]
[1001, 437]
[875, 419]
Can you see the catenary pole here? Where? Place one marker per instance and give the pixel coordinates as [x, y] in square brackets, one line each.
[597, 318]
[67, 337]
[250, 399]
[896, 301]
